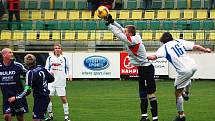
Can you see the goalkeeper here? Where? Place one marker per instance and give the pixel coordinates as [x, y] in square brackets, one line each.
[137, 55]
[37, 78]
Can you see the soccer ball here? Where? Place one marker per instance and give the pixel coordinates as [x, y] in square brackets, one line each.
[102, 12]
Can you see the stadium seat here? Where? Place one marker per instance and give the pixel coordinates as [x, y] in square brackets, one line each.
[188, 35]
[108, 36]
[147, 35]
[40, 25]
[61, 15]
[124, 14]
[182, 25]
[90, 25]
[212, 14]
[82, 35]
[136, 14]
[208, 25]
[31, 35]
[95, 35]
[188, 14]
[113, 13]
[102, 26]
[195, 25]
[33, 4]
[78, 25]
[196, 4]
[175, 34]
[18, 35]
[128, 23]
[141, 25]
[22, 4]
[82, 4]
[132, 4]
[74, 15]
[158, 35]
[175, 14]
[162, 14]
[202, 14]
[26, 25]
[51, 25]
[95, 16]
[56, 35]
[156, 4]
[36, 15]
[169, 4]
[149, 15]
[24, 14]
[182, 4]
[155, 25]
[86, 15]
[44, 4]
[168, 25]
[5, 35]
[70, 4]
[212, 35]
[48, 15]
[58, 4]
[64, 25]
[44, 35]
[200, 36]
[69, 35]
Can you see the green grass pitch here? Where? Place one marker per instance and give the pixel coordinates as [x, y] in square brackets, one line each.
[115, 100]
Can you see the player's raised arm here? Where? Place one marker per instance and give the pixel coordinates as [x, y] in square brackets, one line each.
[200, 48]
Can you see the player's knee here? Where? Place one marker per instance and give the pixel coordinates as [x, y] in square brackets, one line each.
[152, 97]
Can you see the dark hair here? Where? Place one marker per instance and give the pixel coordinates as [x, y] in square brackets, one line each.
[131, 29]
[166, 37]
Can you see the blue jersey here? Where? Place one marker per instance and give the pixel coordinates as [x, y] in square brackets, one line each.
[10, 82]
[37, 78]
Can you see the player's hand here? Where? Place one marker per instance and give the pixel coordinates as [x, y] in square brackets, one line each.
[11, 99]
[208, 50]
[109, 19]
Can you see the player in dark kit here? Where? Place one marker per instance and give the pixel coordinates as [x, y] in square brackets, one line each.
[37, 78]
[11, 84]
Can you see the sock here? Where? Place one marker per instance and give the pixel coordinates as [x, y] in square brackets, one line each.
[144, 105]
[179, 104]
[49, 107]
[66, 109]
[154, 108]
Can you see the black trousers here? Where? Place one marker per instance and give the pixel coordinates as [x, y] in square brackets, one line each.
[10, 19]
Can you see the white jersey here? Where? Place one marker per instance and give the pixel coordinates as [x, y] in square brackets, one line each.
[133, 45]
[60, 67]
[175, 53]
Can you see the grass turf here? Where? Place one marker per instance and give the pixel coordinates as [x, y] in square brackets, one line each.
[118, 101]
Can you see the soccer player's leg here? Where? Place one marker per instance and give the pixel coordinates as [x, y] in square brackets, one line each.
[19, 108]
[143, 95]
[40, 107]
[151, 89]
[7, 112]
[61, 91]
[49, 109]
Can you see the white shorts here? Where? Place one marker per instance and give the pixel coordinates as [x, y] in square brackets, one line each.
[184, 78]
[59, 91]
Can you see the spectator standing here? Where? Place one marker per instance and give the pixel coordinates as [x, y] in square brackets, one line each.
[13, 8]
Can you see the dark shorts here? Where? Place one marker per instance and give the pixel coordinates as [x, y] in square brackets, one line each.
[19, 107]
[146, 80]
[40, 107]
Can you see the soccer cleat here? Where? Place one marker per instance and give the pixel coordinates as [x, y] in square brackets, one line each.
[49, 118]
[185, 96]
[179, 119]
[67, 119]
[144, 119]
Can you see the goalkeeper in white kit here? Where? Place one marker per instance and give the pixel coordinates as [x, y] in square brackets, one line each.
[137, 55]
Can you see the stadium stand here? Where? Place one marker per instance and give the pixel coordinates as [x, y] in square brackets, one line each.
[68, 20]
